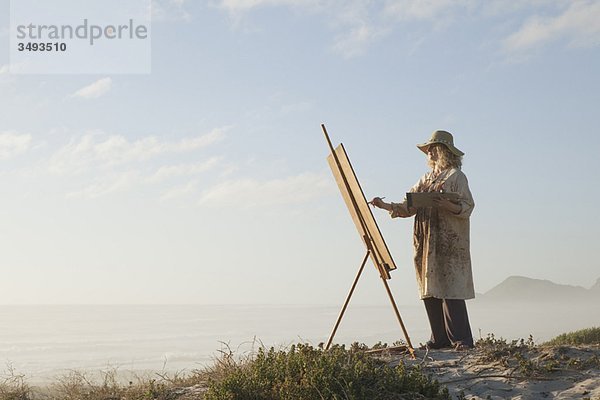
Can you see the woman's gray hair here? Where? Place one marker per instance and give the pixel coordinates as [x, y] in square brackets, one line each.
[446, 159]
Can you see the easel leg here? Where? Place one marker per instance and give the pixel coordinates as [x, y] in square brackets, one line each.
[362, 266]
[389, 292]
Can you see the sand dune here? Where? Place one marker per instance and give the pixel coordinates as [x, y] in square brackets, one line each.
[513, 371]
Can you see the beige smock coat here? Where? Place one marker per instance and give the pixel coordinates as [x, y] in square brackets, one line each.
[441, 238]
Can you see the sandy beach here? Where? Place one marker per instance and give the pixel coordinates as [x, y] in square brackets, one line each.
[520, 372]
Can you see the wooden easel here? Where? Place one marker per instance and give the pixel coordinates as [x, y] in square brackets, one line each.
[365, 223]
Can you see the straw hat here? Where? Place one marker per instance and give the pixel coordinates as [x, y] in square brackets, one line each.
[441, 137]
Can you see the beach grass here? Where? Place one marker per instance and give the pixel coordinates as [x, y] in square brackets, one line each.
[14, 386]
[302, 371]
[306, 372]
[588, 336]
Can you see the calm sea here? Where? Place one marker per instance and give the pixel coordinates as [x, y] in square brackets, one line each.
[44, 342]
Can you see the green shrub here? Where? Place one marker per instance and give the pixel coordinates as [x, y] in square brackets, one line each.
[580, 337]
[305, 372]
[515, 354]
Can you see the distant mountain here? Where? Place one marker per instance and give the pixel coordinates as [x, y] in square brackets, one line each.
[520, 288]
[596, 288]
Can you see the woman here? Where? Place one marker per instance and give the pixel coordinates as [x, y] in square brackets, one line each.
[441, 241]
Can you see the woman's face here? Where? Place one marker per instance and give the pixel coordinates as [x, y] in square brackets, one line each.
[433, 152]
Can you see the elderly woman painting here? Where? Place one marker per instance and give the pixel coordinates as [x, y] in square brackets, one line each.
[441, 242]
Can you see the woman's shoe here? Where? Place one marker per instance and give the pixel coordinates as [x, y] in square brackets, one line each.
[434, 346]
[459, 346]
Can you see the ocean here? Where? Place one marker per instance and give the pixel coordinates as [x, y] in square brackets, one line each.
[46, 342]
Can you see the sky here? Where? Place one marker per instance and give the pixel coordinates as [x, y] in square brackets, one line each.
[205, 181]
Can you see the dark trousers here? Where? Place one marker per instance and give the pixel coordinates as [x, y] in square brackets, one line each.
[449, 323]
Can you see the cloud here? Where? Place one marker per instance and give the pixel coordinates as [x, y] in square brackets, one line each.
[361, 23]
[247, 193]
[350, 18]
[179, 192]
[172, 171]
[13, 144]
[108, 164]
[170, 11]
[236, 6]
[107, 185]
[354, 42]
[97, 150]
[401, 9]
[358, 23]
[94, 90]
[115, 181]
[14, 68]
[5, 76]
[423, 9]
[578, 23]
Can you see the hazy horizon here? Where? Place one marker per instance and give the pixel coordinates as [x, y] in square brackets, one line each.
[411, 302]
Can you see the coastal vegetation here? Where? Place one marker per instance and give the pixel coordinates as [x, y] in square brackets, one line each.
[302, 371]
[306, 372]
[580, 337]
[298, 372]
